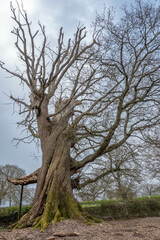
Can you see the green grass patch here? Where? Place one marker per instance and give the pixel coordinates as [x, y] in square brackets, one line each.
[2, 229]
[9, 215]
[96, 203]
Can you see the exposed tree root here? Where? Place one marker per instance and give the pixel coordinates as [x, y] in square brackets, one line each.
[56, 200]
[53, 212]
[69, 234]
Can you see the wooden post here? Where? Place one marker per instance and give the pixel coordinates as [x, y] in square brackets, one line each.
[20, 203]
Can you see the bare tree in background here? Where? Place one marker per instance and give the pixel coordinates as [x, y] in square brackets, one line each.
[10, 194]
[129, 174]
[82, 97]
[28, 195]
[151, 155]
[150, 188]
[117, 175]
[91, 192]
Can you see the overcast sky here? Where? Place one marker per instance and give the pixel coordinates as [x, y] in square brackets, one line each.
[53, 14]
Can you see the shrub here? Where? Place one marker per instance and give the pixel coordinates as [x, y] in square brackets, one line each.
[9, 215]
[155, 197]
[135, 208]
[94, 211]
[112, 208]
[138, 207]
[153, 207]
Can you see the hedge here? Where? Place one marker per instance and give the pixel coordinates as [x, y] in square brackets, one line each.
[134, 208]
[9, 215]
[139, 207]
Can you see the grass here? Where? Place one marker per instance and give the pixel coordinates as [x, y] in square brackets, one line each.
[2, 229]
[99, 202]
[7, 211]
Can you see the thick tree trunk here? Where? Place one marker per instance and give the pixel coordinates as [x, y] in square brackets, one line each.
[56, 200]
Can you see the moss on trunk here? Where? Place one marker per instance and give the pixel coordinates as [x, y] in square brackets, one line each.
[56, 200]
[57, 207]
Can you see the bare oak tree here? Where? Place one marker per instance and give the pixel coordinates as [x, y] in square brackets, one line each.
[116, 173]
[151, 153]
[81, 97]
[9, 194]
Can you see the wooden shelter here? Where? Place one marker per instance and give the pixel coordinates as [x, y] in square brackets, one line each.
[30, 179]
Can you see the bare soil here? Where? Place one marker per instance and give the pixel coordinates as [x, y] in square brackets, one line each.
[140, 228]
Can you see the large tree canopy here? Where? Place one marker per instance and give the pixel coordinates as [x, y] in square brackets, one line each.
[85, 99]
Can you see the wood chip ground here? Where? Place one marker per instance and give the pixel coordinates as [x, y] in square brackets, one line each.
[140, 228]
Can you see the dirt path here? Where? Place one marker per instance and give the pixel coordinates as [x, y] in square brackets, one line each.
[141, 228]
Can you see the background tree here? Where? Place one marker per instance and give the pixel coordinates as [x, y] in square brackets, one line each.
[8, 192]
[91, 192]
[130, 171]
[151, 151]
[28, 195]
[122, 172]
[83, 97]
[149, 188]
